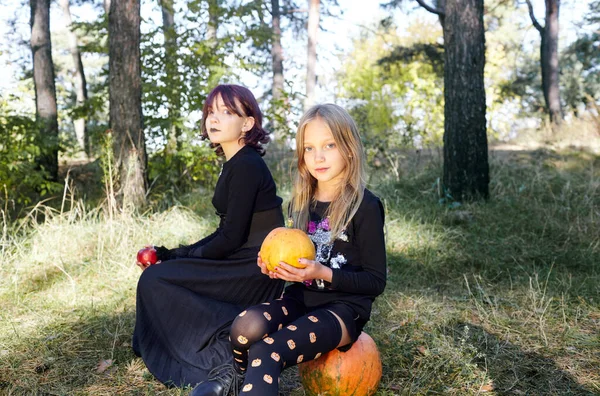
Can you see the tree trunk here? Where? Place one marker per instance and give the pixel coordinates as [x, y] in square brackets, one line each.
[45, 90]
[80, 83]
[549, 61]
[311, 64]
[466, 169]
[278, 119]
[214, 14]
[126, 100]
[213, 22]
[549, 58]
[277, 52]
[172, 76]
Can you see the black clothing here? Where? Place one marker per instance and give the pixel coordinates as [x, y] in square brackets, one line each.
[185, 305]
[245, 187]
[357, 257]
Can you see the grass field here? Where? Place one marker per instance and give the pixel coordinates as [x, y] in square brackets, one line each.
[501, 298]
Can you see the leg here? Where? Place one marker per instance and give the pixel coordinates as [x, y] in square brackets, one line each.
[249, 327]
[305, 339]
[259, 321]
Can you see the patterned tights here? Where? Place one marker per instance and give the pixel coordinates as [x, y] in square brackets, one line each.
[279, 334]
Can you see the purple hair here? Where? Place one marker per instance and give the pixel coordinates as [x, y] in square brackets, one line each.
[246, 107]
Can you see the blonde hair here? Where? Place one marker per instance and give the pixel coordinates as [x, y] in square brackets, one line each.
[351, 189]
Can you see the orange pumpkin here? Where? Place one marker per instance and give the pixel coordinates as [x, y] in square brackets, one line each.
[288, 245]
[356, 372]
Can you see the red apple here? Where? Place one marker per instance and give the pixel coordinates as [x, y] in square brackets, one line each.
[147, 256]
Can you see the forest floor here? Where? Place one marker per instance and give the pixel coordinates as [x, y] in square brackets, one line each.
[500, 298]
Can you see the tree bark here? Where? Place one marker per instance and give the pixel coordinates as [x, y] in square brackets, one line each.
[466, 169]
[549, 61]
[213, 22]
[549, 58]
[278, 101]
[80, 82]
[126, 101]
[172, 76]
[277, 52]
[311, 64]
[214, 16]
[45, 89]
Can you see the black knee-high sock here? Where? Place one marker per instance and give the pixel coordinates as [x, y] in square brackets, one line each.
[257, 322]
[305, 339]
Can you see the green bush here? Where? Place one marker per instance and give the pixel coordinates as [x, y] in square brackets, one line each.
[21, 179]
[172, 174]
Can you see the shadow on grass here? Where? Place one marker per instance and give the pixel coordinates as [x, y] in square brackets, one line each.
[512, 370]
[63, 357]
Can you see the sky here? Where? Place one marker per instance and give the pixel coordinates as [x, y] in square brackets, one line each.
[335, 39]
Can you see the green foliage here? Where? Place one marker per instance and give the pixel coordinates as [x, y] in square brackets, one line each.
[393, 88]
[21, 181]
[171, 175]
[580, 63]
[594, 12]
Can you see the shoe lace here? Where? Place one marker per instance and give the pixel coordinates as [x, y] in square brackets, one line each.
[236, 385]
[227, 376]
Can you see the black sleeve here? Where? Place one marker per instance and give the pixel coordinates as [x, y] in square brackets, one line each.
[183, 251]
[203, 241]
[370, 238]
[243, 186]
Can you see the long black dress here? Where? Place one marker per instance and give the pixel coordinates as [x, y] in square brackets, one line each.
[185, 306]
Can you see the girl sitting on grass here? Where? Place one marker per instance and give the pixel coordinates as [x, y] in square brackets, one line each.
[329, 301]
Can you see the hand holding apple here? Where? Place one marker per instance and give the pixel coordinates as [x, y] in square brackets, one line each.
[146, 257]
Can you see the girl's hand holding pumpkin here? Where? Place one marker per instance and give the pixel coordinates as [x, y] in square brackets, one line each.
[312, 270]
[263, 268]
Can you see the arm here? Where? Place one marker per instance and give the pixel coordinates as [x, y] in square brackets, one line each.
[371, 279]
[164, 254]
[243, 185]
[371, 243]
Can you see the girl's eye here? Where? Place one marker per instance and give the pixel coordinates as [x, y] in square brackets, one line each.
[210, 111]
[307, 148]
[330, 146]
[226, 111]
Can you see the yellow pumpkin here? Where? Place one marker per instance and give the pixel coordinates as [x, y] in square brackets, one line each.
[288, 245]
[356, 372]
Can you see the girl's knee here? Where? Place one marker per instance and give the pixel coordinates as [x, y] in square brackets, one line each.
[149, 279]
[248, 327]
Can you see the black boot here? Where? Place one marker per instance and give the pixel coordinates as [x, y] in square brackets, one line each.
[223, 380]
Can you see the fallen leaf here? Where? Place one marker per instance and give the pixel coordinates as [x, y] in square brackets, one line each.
[103, 365]
[486, 388]
[422, 350]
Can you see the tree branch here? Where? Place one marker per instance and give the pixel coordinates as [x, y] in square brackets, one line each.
[536, 24]
[431, 9]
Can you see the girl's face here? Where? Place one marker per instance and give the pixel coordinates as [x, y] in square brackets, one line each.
[224, 127]
[321, 154]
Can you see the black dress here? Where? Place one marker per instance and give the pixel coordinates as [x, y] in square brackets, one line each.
[185, 306]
